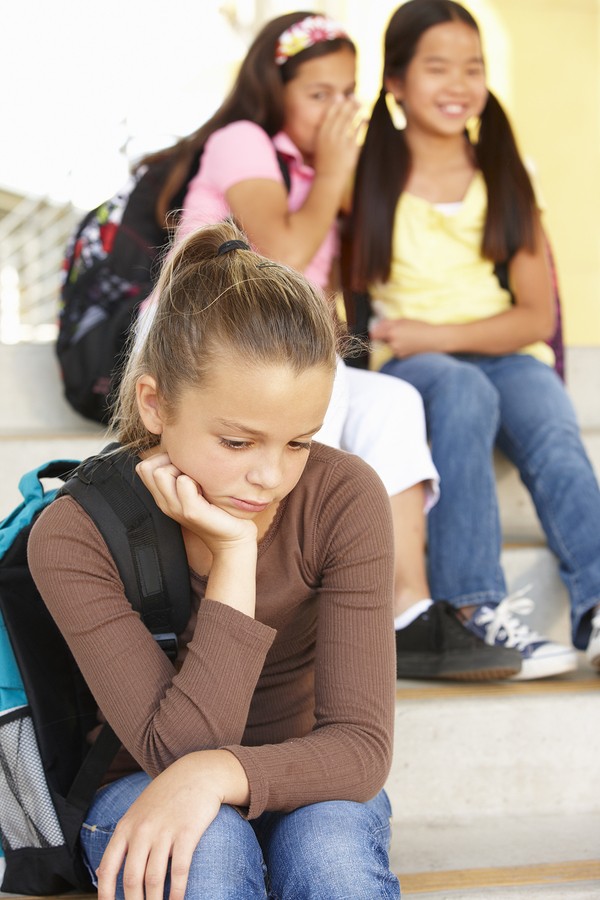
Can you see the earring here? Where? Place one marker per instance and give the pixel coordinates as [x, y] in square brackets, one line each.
[473, 126]
[396, 112]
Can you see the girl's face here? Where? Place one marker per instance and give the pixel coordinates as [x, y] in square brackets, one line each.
[244, 436]
[444, 83]
[307, 97]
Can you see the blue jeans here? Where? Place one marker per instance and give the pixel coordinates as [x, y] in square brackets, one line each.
[328, 851]
[520, 405]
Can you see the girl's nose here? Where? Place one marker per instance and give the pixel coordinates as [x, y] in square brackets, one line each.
[458, 81]
[267, 474]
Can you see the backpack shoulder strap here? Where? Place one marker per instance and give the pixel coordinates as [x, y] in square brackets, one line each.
[149, 552]
[285, 170]
[146, 545]
[35, 498]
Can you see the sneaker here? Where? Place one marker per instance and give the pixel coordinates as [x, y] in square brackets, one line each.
[499, 626]
[593, 648]
[437, 645]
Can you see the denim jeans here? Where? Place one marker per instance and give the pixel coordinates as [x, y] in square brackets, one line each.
[327, 851]
[520, 405]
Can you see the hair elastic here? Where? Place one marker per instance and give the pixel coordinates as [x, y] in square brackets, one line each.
[232, 245]
[304, 34]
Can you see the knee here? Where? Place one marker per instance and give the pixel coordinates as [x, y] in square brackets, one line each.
[344, 851]
[465, 397]
[227, 856]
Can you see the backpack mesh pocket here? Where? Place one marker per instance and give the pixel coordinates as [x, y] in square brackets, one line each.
[27, 814]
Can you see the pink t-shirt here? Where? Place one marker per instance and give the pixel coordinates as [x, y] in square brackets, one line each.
[243, 151]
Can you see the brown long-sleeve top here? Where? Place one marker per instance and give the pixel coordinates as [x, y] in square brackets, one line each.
[302, 695]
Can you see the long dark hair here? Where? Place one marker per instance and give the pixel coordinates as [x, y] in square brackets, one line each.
[384, 164]
[257, 96]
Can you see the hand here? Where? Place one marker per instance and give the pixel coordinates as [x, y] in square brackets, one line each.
[337, 141]
[407, 337]
[166, 823]
[181, 498]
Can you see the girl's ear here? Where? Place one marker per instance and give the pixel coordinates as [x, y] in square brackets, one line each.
[148, 404]
[393, 85]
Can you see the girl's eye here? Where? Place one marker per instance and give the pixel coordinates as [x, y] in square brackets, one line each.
[234, 445]
[300, 445]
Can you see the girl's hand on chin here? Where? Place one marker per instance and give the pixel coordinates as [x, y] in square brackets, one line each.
[181, 498]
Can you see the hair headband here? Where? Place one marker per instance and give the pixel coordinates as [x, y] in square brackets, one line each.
[309, 31]
[232, 245]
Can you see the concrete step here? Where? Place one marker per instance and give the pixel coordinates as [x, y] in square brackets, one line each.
[465, 751]
[522, 856]
[493, 789]
[583, 383]
[31, 400]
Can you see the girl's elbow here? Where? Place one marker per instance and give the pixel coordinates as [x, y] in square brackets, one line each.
[376, 782]
[539, 323]
[547, 325]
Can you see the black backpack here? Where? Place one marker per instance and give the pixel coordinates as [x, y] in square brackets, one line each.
[48, 770]
[111, 265]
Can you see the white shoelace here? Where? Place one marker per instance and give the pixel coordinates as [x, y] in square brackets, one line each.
[502, 618]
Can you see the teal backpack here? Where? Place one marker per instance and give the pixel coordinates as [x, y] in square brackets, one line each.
[48, 770]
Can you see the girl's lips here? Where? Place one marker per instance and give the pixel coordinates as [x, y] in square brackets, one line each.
[248, 506]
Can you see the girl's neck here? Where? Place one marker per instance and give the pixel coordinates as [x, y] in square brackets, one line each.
[441, 167]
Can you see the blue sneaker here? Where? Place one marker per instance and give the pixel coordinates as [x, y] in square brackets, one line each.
[500, 626]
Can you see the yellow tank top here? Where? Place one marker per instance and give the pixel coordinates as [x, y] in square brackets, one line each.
[438, 274]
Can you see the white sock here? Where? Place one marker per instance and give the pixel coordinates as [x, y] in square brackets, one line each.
[413, 612]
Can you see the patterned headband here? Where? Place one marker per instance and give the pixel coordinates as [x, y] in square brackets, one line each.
[309, 31]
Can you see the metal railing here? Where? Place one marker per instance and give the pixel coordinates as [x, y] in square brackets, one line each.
[33, 238]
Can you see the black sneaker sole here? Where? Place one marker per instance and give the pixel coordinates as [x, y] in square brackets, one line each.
[418, 668]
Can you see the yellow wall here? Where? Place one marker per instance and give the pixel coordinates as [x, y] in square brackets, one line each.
[544, 63]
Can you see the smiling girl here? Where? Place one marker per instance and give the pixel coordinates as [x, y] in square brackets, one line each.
[440, 201]
[257, 760]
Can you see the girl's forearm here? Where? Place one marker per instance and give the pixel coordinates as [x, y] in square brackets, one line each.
[232, 578]
[508, 332]
[303, 231]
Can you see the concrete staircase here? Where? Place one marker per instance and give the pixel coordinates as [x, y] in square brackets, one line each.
[495, 788]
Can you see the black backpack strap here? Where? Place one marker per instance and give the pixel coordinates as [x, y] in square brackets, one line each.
[149, 552]
[146, 545]
[285, 170]
[96, 763]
